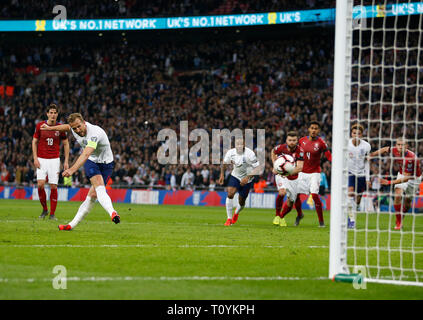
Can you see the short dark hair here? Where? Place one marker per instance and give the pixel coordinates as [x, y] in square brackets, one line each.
[292, 134]
[314, 122]
[52, 106]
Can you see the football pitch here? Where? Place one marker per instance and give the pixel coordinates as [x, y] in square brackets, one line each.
[170, 252]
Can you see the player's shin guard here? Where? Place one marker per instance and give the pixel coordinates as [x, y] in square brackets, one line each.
[229, 207]
[298, 205]
[279, 204]
[104, 199]
[43, 198]
[53, 201]
[83, 210]
[318, 206]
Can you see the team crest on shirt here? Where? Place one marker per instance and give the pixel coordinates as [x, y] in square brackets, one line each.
[316, 147]
[56, 133]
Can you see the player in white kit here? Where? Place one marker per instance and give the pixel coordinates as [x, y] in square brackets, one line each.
[97, 159]
[358, 171]
[245, 166]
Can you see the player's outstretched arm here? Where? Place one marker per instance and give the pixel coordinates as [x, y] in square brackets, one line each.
[396, 181]
[60, 127]
[79, 162]
[378, 152]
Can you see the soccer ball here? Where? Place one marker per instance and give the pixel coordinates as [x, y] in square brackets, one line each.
[284, 164]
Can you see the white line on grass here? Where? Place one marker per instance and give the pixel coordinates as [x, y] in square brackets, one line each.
[191, 278]
[148, 246]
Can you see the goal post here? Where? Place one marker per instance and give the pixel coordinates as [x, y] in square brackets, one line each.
[378, 83]
[340, 129]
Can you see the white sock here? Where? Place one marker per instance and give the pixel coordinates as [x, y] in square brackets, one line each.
[83, 210]
[239, 208]
[229, 207]
[352, 208]
[104, 199]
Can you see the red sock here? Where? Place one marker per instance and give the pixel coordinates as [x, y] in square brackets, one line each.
[285, 210]
[397, 208]
[318, 205]
[279, 204]
[298, 205]
[53, 201]
[43, 197]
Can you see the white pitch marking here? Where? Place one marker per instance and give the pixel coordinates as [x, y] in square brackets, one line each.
[165, 278]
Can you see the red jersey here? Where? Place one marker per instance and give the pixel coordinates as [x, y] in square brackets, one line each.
[407, 163]
[297, 154]
[48, 142]
[313, 150]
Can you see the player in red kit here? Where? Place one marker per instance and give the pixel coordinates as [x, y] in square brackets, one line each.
[314, 147]
[290, 147]
[408, 179]
[46, 153]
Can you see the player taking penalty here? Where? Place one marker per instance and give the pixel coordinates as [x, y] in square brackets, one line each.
[282, 182]
[314, 147]
[97, 159]
[245, 166]
[408, 179]
[46, 155]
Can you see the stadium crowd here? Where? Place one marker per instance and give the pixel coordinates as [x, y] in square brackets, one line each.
[90, 9]
[134, 91]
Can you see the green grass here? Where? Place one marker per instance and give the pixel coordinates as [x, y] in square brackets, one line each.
[157, 251]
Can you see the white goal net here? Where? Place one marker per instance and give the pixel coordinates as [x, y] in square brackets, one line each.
[383, 90]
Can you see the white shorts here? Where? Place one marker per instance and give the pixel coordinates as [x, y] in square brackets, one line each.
[411, 187]
[49, 168]
[311, 181]
[280, 181]
[295, 187]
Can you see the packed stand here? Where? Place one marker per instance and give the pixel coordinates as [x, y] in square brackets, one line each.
[134, 91]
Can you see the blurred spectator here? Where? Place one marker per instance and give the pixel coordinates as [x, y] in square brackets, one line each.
[187, 181]
[260, 185]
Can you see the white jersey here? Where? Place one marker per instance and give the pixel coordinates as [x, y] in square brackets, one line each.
[243, 163]
[96, 138]
[357, 162]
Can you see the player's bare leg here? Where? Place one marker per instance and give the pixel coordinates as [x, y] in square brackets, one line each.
[53, 201]
[229, 205]
[43, 197]
[239, 207]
